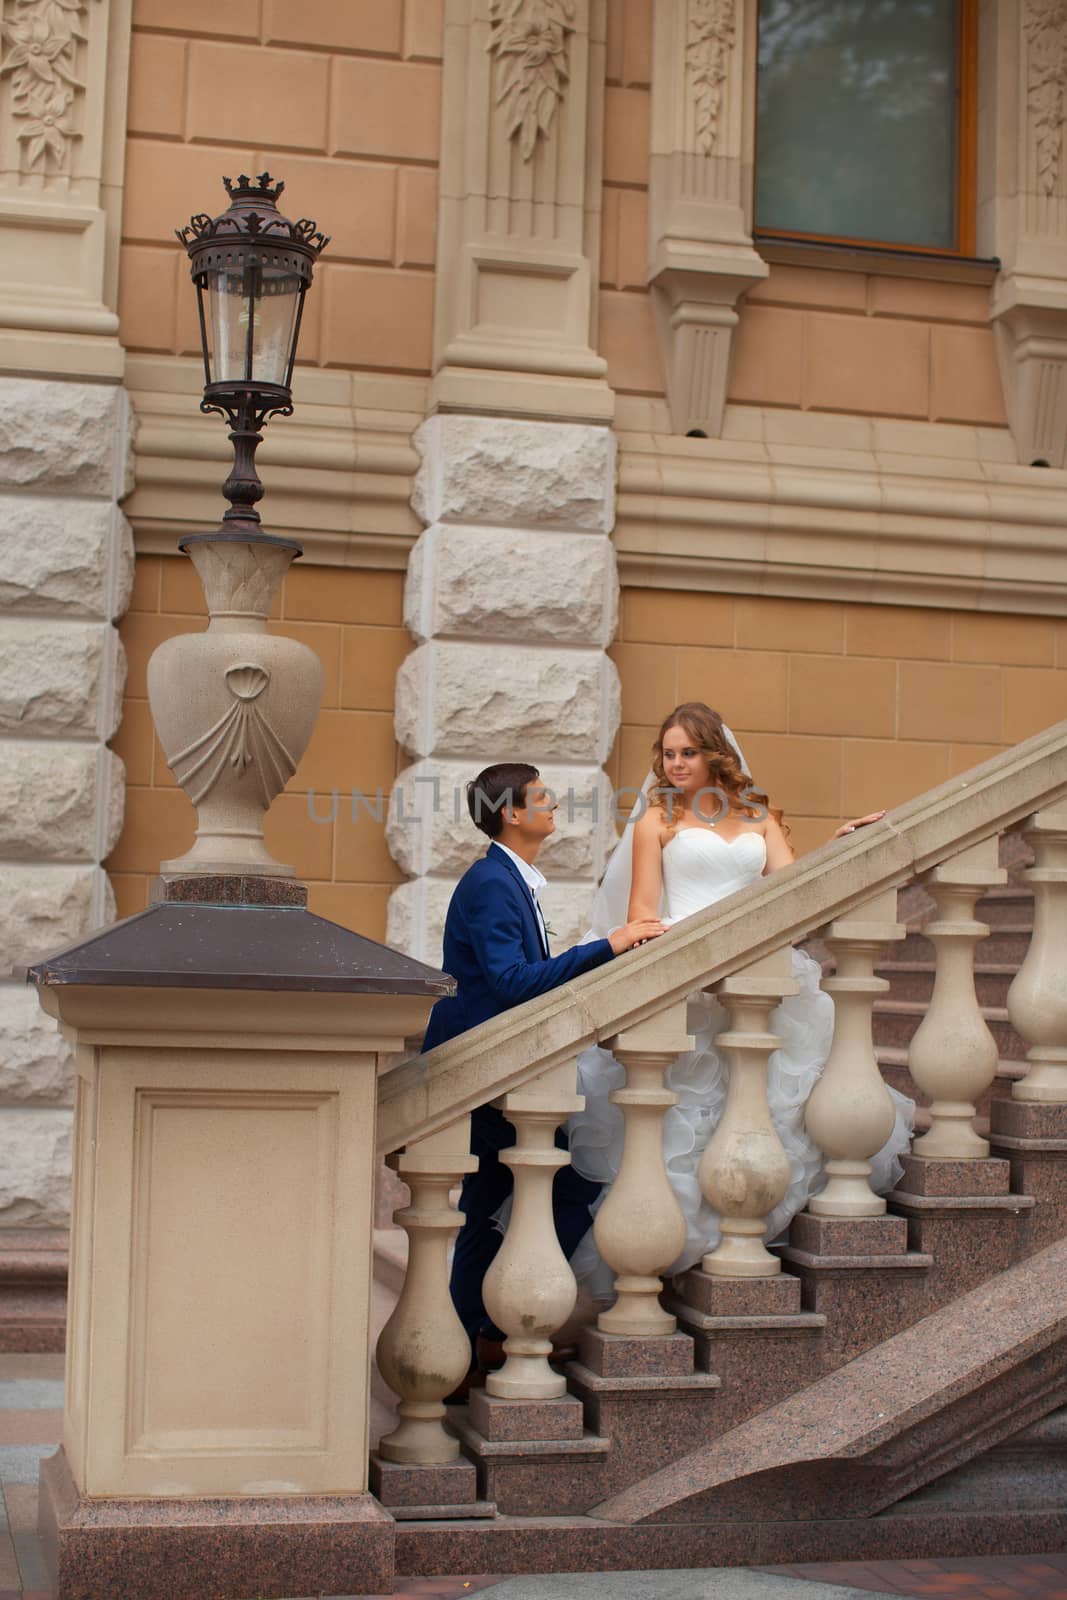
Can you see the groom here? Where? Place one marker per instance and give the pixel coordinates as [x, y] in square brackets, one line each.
[496, 948]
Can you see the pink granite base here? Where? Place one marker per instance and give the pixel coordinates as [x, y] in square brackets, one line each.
[1028, 1119]
[397, 1483]
[848, 1236]
[227, 889]
[740, 1297]
[226, 1549]
[927, 1176]
[613, 1355]
[497, 1419]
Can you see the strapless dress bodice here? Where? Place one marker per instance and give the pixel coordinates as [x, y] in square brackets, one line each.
[700, 867]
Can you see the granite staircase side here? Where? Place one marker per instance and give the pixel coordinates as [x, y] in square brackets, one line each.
[903, 1450]
[745, 1347]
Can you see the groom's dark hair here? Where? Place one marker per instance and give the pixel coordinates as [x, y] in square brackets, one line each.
[499, 786]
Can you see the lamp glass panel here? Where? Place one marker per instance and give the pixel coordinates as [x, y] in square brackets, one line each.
[266, 297]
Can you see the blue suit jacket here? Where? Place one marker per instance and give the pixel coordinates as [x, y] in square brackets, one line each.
[493, 949]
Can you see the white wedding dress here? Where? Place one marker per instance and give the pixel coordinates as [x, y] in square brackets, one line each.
[700, 868]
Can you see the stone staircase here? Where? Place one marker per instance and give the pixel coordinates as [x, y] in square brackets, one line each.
[870, 1399]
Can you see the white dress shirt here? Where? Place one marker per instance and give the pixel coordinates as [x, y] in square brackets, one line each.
[534, 880]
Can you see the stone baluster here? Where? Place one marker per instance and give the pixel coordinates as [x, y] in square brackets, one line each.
[640, 1229]
[423, 1350]
[1037, 999]
[953, 1055]
[850, 1114]
[529, 1291]
[744, 1171]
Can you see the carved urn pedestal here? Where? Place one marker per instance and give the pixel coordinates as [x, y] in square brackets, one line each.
[234, 706]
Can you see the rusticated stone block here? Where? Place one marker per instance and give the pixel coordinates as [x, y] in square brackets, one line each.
[429, 828]
[513, 584]
[496, 471]
[68, 557]
[467, 698]
[613, 1355]
[849, 1236]
[59, 679]
[454, 1483]
[49, 800]
[500, 1420]
[43, 908]
[35, 1160]
[741, 1297]
[933, 1177]
[36, 1062]
[65, 438]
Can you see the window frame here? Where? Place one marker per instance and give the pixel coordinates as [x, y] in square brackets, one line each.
[966, 177]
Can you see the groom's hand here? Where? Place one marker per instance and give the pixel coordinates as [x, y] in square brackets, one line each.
[634, 933]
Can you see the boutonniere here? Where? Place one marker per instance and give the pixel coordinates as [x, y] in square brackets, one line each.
[550, 932]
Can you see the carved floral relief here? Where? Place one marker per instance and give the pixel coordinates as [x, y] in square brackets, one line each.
[530, 40]
[1045, 26]
[40, 43]
[710, 36]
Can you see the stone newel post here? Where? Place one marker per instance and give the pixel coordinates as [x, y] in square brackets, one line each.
[228, 1045]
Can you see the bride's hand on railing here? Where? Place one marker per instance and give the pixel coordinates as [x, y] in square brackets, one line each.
[635, 933]
[858, 822]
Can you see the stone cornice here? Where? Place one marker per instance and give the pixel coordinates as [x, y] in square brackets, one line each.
[791, 504]
[843, 508]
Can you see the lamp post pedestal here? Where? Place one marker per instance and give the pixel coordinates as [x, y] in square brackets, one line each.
[216, 1405]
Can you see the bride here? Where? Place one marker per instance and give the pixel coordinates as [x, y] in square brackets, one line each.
[704, 832]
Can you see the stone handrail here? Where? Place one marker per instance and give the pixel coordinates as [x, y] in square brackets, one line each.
[428, 1093]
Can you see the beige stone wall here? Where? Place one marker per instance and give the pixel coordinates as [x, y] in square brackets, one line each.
[352, 620]
[840, 708]
[343, 102]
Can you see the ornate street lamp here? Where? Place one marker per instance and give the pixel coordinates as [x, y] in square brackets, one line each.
[235, 706]
[252, 268]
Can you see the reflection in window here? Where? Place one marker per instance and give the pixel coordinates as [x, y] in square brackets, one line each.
[857, 123]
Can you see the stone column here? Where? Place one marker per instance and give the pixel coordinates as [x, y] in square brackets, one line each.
[1022, 210]
[65, 572]
[511, 597]
[65, 565]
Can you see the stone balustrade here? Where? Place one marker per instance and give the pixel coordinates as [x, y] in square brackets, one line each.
[524, 1061]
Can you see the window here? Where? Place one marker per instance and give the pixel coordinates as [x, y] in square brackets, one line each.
[865, 122]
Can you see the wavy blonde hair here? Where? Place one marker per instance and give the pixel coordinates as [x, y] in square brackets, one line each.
[725, 772]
